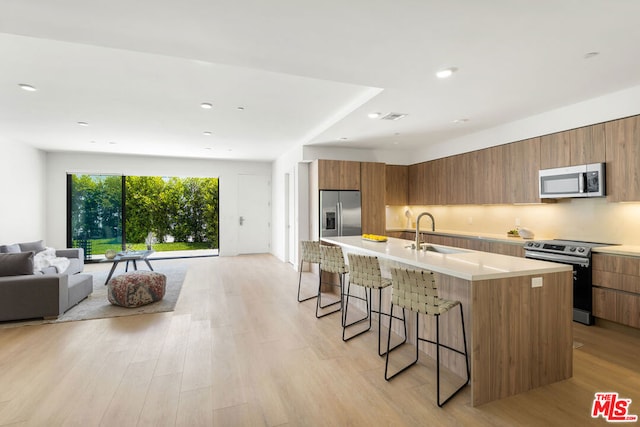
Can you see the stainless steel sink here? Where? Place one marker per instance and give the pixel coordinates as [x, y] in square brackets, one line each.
[440, 249]
[427, 247]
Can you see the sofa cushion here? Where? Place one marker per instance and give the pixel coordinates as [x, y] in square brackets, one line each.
[75, 266]
[16, 264]
[36, 246]
[10, 249]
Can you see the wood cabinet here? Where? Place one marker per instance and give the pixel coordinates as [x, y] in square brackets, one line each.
[573, 147]
[418, 185]
[338, 175]
[503, 174]
[616, 288]
[396, 185]
[372, 193]
[623, 159]
[520, 166]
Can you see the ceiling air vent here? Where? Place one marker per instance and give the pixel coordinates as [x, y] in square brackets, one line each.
[393, 116]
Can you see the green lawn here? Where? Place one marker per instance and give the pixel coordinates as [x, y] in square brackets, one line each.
[100, 246]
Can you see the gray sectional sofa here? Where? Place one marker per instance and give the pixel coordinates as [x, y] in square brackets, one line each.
[46, 293]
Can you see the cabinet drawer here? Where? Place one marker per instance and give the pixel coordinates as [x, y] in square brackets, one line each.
[617, 264]
[621, 282]
[617, 306]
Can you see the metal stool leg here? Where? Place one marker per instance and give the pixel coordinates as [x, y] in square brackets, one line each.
[319, 301]
[300, 283]
[345, 325]
[440, 404]
[391, 317]
[386, 364]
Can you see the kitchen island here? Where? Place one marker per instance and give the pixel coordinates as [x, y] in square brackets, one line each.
[518, 313]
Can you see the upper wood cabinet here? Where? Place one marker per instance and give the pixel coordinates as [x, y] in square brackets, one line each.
[396, 185]
[589, 145]
[623, 159]
[338, 175]
[573, 147]
[372, 184]
[555, 150]
[418, 184]
[521, 162]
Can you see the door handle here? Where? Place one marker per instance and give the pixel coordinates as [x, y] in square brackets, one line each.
[241, 220]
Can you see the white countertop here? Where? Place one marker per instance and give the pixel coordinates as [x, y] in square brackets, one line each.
[629, 250]
[474, 235]
[465, 264]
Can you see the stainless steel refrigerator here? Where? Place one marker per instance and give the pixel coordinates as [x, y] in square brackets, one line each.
[340, 213]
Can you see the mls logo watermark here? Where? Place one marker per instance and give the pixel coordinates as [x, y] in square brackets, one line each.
[612, 408]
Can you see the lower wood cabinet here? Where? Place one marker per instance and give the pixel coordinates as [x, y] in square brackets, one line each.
[616, 288]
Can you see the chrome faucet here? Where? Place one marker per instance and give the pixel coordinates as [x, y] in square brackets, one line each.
[433, 227]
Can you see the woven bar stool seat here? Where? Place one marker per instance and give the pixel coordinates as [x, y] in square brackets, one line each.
[331, 261]
[364, 271]
[310, 253]
[417, 291]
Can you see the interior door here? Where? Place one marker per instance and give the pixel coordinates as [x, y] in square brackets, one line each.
[254, 214]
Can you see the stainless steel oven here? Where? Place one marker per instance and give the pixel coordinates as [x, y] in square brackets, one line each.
[578, 255]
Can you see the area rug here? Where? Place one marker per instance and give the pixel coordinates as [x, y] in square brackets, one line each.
[97, 306]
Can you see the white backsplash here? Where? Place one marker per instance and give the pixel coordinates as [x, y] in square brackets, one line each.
[579, 219]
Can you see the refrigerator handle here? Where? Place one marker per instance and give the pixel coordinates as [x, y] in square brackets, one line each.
[339, 215]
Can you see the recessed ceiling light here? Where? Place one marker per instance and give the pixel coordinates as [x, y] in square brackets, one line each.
[459, 121]
[240, 108]
[344, 138]
[447, 72]
[206, 105]
[27, 87]
[208, 148]
[83, 124]
[590, 55]
[374, 115]
[207, 133]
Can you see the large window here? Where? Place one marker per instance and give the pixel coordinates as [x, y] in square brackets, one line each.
[133, 212]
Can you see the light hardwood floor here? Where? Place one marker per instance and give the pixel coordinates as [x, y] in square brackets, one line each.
[239, 350]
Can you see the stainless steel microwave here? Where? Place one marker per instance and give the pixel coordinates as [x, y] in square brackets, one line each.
[573, 181]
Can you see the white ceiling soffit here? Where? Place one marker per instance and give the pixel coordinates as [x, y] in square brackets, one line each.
[150, 104]
[303, 71]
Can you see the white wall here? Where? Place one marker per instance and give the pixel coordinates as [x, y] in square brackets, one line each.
[59, 164]
[22, 192]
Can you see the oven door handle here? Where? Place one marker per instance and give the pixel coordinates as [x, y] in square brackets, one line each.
[564, 259]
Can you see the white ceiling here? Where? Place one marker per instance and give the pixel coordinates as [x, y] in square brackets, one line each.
[305, 72]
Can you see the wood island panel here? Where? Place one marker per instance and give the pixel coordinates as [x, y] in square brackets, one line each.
[521, 336]
[518, 337]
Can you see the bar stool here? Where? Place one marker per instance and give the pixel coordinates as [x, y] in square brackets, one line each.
[365, 271]
[331, 261]
[311, 255]
[416, 291]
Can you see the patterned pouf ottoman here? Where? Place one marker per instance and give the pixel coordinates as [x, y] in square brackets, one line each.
[136, 288]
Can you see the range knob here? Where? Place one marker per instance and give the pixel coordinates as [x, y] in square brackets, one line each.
[580, 250]
[537, 245]
[572, 249]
